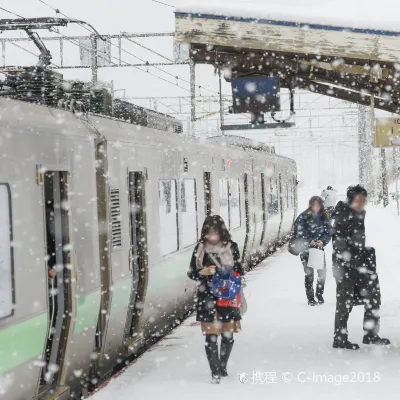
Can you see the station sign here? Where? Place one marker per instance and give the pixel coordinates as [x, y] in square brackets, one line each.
[387, 132]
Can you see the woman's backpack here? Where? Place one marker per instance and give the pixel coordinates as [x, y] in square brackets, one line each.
[226, 285]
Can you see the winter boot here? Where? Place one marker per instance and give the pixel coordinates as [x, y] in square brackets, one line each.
[320, 299]
[226, 348]
[375, 339]
[213, 359]
[343, 343]
[312, 302]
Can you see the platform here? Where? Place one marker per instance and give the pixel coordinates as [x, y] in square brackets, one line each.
[282, 337]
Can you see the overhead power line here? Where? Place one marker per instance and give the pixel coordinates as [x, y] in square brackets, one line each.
[131, 54]
[113, 57]
[11, 12]
[162, 3]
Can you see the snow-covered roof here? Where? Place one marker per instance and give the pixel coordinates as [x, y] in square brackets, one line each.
[379, 16]
[359, 31]
[341, 48]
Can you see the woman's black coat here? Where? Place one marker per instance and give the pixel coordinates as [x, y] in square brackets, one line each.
[205, 300]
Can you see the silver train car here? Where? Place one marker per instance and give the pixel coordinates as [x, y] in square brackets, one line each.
[119, 208]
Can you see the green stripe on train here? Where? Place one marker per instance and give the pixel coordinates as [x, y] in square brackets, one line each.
[87, 312]
[22, 342]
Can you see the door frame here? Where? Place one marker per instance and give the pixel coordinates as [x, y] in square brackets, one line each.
[138, 294]
[65, 170]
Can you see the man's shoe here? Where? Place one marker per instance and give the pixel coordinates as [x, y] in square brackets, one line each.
[312, 302]
[345, 344]
[375, 339]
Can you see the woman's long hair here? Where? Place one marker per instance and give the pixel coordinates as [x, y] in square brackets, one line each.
[217, 223]
[321, 204]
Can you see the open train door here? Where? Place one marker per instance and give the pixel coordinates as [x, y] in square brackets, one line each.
[58, 273]
[137, 256]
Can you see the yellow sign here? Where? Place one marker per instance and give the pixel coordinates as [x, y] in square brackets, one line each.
[387, 132]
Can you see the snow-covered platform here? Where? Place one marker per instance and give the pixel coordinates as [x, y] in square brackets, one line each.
[284, 351]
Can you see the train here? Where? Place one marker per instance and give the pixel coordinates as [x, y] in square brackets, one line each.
[119, 206]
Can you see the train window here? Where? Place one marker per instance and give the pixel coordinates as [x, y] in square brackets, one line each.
[188, 212]
[234, 204]
[224, 201]
[168, 213]
[6, 257]
[273, 204]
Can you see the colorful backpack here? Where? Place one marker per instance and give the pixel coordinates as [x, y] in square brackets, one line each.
[225, 285]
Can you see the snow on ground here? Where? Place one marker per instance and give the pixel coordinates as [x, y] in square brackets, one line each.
[342, 13]
[284, 337]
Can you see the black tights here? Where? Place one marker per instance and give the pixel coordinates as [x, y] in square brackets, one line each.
[226, 338]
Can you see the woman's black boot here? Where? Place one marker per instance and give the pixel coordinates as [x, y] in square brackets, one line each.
[226, 348]
[213, 359]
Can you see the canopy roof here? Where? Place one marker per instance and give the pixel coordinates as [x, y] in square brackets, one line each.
[322, 48]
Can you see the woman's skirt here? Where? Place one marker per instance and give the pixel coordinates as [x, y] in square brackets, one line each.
[227, 320]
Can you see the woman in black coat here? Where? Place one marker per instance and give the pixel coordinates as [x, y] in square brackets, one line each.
[313, 226]
[223, 318]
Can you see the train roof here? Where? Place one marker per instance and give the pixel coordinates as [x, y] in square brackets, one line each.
[39, 119]
[244, 143]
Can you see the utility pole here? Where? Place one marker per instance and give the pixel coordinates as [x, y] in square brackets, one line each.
[396, 178]
[221, 103]
[94, 66]
[385, 193]
[192, 66]
[361, 144]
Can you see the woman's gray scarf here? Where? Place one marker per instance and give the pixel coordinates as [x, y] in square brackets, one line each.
[223, 251]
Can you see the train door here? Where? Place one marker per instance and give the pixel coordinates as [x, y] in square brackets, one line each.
[264, 208]
[280, 202]
[207, 193]
[247, 215]
[58, 273]
[137, 251]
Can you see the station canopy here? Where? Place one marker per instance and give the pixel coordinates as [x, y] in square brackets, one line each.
[348, 49]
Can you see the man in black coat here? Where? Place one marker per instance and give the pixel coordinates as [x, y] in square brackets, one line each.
[354, 268]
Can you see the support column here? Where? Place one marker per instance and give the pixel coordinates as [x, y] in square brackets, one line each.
[192, 66]
[362, 142]
[94, 67]
[396, 178]
[385, 192]
[221, 103]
